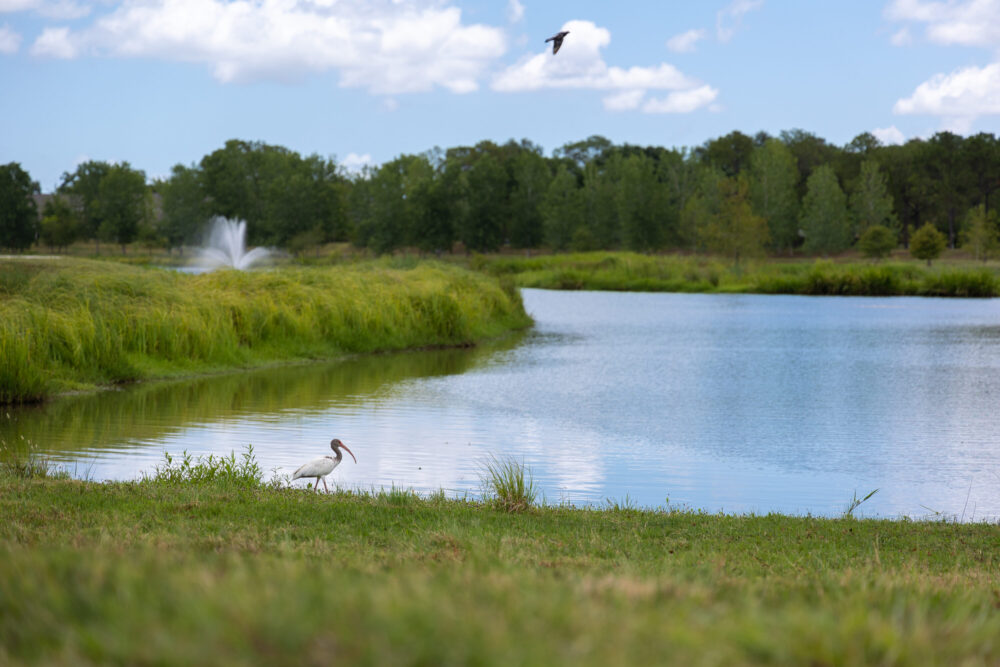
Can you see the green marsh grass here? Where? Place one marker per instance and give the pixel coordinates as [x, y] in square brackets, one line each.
[212, 572]
[626, 271]
[211, 469]
[856, 502]
[20, 457]
[74, 324]
[508, 484]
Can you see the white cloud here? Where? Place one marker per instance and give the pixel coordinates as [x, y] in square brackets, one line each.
[54, 43]
[901, 37]
[889, 136]
[355, 163]
[958, 22]
[18, 5]
[729, 19]
[579, 65]
[962, 96]
[386, 46]
[959, 98]
[10, 41]
[56, 9]
[685, 42]
[624, 101]
[682, 101]
[515, 11]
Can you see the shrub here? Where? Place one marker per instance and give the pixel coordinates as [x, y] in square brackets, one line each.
[927, 243]
[877, 242]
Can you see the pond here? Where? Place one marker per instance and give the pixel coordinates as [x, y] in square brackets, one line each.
[734, 403]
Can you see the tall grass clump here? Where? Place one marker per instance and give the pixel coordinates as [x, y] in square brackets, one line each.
[227, 471]
[22, 460]
[82, 323]
[508, 484]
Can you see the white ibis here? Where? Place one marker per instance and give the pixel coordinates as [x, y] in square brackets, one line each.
[556, 40]
[321, 466]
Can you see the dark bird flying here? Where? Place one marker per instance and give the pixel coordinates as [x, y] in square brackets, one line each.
[556, 40]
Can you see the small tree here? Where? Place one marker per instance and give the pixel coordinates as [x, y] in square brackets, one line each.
[927, 243]
[735, 231]
[980, 233]
[877, 242]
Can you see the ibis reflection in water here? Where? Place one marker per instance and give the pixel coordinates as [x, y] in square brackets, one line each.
[321, 466]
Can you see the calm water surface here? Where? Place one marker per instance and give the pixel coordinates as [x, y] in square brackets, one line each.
[739, 403]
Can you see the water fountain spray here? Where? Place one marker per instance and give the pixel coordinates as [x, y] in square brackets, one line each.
[227, 247]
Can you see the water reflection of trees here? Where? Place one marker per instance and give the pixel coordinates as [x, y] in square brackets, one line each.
[119, 418]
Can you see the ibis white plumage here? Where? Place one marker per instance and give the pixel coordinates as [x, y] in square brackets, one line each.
[321, 466]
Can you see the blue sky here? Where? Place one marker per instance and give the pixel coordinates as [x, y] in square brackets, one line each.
[161, 82]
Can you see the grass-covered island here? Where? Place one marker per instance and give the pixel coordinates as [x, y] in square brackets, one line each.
[69, 324]
[626, 271]
[205, 563]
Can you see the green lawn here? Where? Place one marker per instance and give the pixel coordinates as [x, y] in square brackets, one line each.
[180, 569]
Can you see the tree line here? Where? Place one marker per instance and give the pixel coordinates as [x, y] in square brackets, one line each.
[736, 195]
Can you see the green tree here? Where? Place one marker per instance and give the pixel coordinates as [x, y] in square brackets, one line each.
[909, 184]
[773, 177]
[877, 241]
[433, 227]
[580, 153]
[531, 178]
[870, 202]
[301, 195]
[701, 208]
[927, 243]
[185, 210]
[946, 173]
[59, 226]
[121, 204]
[824, 213]
[679, 176]
[980, 234]
[981, 153]
[481, 229]
[83, 187]
[18, 211]
[810, 152]
[561, 209]
[598, 208]
[731, 153]
[233, 178]
[641, 201]
[735, 231]
[385, 229]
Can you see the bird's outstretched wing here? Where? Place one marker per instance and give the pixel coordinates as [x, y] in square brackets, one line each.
[557, 41]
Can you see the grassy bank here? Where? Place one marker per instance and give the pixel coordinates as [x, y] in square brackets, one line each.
[674, 273]
[183, 568]
[71, 324]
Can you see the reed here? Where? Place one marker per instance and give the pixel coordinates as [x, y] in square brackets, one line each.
[692, 273]
[77, 323]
